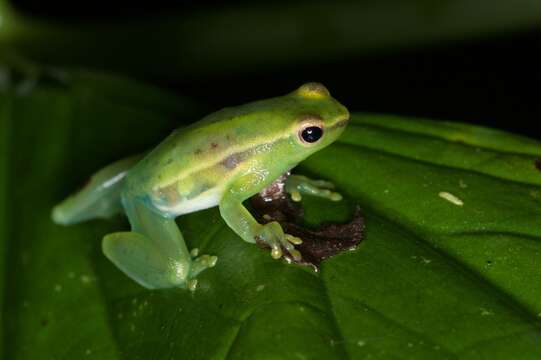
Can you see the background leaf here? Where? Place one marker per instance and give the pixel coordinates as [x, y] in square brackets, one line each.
[245, 36]
[432, 279]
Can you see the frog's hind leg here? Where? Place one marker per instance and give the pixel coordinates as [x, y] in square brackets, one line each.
[99, 198]
[153, 253]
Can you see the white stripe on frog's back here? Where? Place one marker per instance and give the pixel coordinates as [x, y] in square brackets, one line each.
[204, 200]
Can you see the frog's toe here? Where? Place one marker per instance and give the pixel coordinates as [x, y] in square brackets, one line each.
[298, 185]
[326, 194]
[192, 285]
[293, 239]
[201, 263]
[194, 253]
[270, 234]
[296, 194]
[276, 251]
[287, 243]
[322, 184]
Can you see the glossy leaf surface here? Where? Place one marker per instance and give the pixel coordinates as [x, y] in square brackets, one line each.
[449, 267]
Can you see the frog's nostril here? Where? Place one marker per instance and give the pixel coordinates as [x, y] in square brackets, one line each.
[340, 123]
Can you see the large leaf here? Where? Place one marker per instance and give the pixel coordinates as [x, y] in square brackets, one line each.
[449, 266]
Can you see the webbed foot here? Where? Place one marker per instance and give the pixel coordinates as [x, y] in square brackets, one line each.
[199, 264]
[297, 185]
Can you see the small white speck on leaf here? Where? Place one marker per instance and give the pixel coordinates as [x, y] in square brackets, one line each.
[361, 343]
[462, 184]
[425, 260]
[25, 258]
[536, 194]
[486, 312]
[85, 279]
[259, 288]
[88, 352]
[451, 198]
[58, 288]
[410, 345]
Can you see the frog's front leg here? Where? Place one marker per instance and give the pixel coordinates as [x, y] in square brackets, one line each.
[242, 222]
[297, 185]
[153, 253]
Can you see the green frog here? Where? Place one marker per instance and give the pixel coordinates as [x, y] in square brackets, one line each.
[221, 160]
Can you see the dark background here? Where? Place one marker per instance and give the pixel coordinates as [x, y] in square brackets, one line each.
[490, 79]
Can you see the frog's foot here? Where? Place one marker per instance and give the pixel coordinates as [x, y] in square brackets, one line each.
[146, 263]
[297, 185]
[273, 235]
[202, 262]
[199, 264]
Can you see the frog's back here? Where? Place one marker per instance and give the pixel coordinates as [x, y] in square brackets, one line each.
[189, 170]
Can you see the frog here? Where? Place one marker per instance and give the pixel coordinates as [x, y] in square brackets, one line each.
[221, 160]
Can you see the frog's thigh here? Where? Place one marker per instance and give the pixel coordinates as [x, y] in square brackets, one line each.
[153, 253]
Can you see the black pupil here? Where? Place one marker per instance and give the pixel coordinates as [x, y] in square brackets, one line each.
[312, 134]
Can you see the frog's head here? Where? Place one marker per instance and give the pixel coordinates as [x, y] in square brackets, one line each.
[317, 118]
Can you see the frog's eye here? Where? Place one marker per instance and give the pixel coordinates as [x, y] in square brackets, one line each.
[310, 134]
[313, 90]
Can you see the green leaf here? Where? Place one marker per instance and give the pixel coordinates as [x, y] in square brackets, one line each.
[449, 267]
